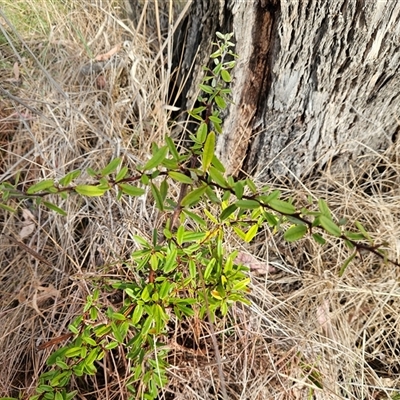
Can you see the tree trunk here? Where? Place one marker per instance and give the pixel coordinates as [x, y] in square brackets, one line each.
[315, 83]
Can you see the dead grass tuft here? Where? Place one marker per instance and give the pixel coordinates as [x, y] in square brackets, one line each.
[81, 85]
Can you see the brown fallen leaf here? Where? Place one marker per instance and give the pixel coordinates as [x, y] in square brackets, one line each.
[109, 54]
[256, 266]
[324, 319]
[28, 225]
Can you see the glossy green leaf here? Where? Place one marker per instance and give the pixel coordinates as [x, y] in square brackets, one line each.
[247, 204]
[89, 190]
[215, 120]
[194, 217]
[239, 232]
[354, 235]
[363, 231]
[40, 186]
[157, 159]
[228, 211]
[116, 332]
[209, 268]
[226, 76]
[217, 177]
[206, 88]
[111, 167]
[73, 352]
[251, 233]
[131, 190]
[137, 314]
[7, 208]
[171, 260]
[179, 177]
[208, 151]
[221, 103]
[217, 164]
[323, 207]
[202, 132]
[281, 206]
[241, 285]
[239, 189]
[295, 233]
[53, 207]
[121, 174]
[157, 196]
[67, 179]
[346, 264]
[329, 226]
[172, 147]
[193, 196]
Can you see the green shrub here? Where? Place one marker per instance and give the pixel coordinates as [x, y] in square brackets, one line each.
[185, 271]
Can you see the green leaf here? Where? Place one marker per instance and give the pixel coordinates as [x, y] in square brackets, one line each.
[354, 235]
[251, 233]
[91, 172]
[164, 189]
[198, 110]
[157, 158]
[7, 208]
[194, 196]
[226, 76]
[281, 206]
[247, 204]
[71, 395]
[241, 285]
[73, 352]
[206, 88]
[40, 186]
[295, 233]
[131, 190]
[208, 150]
[329, 226]
[215, 120]
[67, 179]
[251, 185]
[217, 164]
[363, 230]
[239, 189]
[116, 332]
[179, 235]
[137, 314]
[171, 260]
[271, 219]
[228, 211]
[172, 147]
[194, 217]
[221, 103]
[53, 207]
[346, 263]
[209, 268]
[212, 195]
[179, 177]
[121, 174]
[157, 196]
[110, 167]
[89, 191]
[217, 177]
[202, 133]
[323, 207]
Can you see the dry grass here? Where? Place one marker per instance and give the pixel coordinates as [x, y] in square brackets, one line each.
[307, 332]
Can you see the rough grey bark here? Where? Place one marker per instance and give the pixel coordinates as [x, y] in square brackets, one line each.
[316, 81]
[330, 86]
